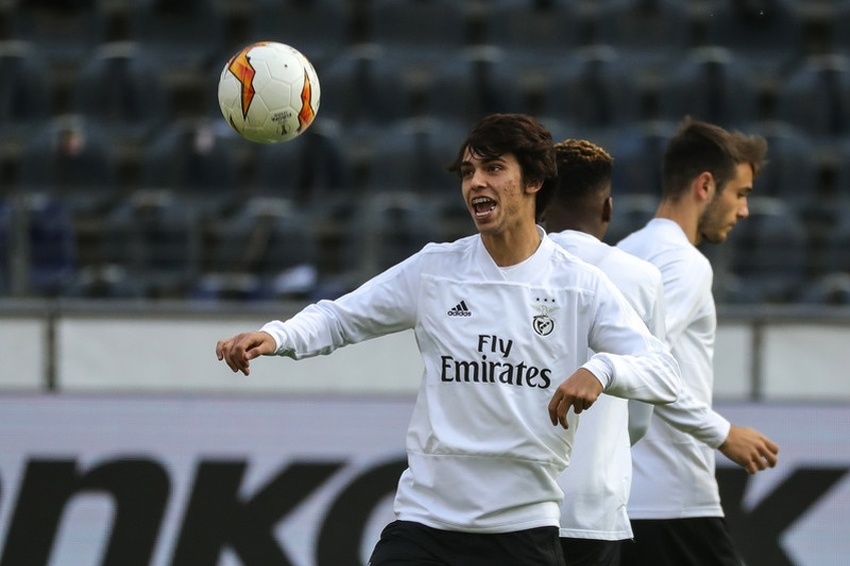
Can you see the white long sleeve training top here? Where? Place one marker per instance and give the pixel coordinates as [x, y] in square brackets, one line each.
[674, 463]
[597, 483]
[483, 455]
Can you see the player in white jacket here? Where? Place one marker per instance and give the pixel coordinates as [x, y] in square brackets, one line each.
[675, 507]
[504, 321]
[594, 519]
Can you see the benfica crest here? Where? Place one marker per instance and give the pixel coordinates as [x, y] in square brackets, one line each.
[542, 323]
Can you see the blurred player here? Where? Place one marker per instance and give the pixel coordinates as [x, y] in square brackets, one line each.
[594, 520]
[503, 320]
[707, 174]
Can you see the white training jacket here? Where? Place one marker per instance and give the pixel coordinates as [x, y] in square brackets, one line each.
[483, 455]
[596, 485]
[673, 465]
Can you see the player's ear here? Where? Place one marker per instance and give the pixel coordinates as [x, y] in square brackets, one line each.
[705, 186]
[608, 209]
[532, 186]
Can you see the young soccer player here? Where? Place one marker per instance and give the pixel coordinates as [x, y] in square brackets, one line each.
[594, 519]
[504, 321]
[675, 508]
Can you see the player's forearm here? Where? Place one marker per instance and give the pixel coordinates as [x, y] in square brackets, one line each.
[695, 418]
[650, 375]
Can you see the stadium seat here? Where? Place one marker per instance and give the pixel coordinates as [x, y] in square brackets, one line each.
[320, 29]
[769, 34]
[312, 172]
[477, 82]
[150, 249]
[71, 159]
[832, 254]
[183, 36]
[365, 88]
[385, 229]
[66, 31]
[411, 157]
[121, 89]
[535, 33]
[839, 28]
[198, 160]
[265, 250]
[815, 98]
[649, 33]
[711, 84]
[770, 250]
[593, 89]
[832, 289]
[50, 247]
[841, 188]
[792, 171]
[637, 153]
[26, 90]
[423, 33]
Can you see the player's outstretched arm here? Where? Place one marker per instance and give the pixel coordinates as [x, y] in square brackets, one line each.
[237, 352]
[579, 391]
[750, 449]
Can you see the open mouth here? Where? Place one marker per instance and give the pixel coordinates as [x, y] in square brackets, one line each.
[483, 206]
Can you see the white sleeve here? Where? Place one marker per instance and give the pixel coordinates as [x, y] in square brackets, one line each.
[630, 362]
[693, 417]
[383, 305]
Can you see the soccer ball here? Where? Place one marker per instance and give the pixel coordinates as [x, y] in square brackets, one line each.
[269, 92]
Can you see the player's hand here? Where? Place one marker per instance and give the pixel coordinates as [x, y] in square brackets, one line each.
[579, 391]
[750, 449]
[237, 352]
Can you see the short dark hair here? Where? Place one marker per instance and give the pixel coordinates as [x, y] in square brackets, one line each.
[584, 168]
[524, 137]
[700, 146]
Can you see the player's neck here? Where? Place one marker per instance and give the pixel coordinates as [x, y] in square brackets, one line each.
[513, 246]
[687, 217]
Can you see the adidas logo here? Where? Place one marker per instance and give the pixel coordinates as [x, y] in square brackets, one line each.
[460, 309]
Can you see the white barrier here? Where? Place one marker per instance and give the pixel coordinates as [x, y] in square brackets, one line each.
[173, 351]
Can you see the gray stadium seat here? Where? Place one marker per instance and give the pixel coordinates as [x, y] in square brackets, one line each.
[712, 84]
[815, 97]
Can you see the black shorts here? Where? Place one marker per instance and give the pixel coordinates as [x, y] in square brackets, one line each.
[589, 552]
[698, 541]
[404, 543]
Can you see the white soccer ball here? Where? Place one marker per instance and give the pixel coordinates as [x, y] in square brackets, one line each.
[269, 92]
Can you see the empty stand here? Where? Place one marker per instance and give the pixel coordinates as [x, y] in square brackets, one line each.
[198, 160]
[71, 159]
[66, 31]
[27, 88]
[265, 250]
[421, 32]
[536, 33]
[320, 29]
[123, 91]
[184, 36]
[712, 84]
[593, 89]
[769, 34]
[637, 153]
[815, 97]
[412, 156]
[650, 33]
[150, 249]
[770, 250]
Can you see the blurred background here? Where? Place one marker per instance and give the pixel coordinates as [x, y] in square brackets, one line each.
[136, 229]
[120, 179]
